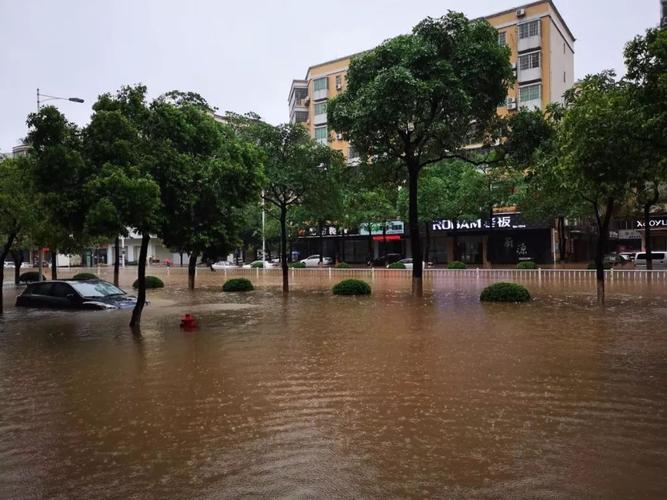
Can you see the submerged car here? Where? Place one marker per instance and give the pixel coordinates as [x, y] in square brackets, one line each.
[75, 294]
[314, 261]
[223, 264]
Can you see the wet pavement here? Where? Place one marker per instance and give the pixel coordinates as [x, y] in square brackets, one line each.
[317, 396]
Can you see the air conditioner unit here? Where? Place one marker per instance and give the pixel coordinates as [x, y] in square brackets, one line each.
[306, 100]
[520, 12]
[339, 137]
[339, 86]
[511, 104]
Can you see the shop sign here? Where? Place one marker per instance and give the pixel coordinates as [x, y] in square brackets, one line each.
[392, 227]
[505, 221]
[629, 234]
[654, 222]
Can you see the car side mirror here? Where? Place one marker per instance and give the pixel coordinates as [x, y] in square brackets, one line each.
[70, 296]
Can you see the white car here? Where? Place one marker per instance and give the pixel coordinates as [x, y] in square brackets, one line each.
[314, 261]
[267, 263]
[223, 264]
[659, 260]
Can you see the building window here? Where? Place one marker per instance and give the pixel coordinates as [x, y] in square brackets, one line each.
[321, 134]
[300, 116]
[320, 84]
[339, 82]
[531, 28]
[321, 108]
[564, 80]
[529, 61]
[502, 38]
[529, 93]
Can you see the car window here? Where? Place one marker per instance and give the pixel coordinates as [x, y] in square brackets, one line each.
[654, 255]
[40, 289]
[61, 290]
[96, 289]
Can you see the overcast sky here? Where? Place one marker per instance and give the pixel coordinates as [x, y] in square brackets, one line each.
[240, 55]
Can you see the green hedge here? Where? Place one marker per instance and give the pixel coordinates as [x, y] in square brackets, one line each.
[84, 276]
[30, 276]
[456, 264]
[257, 264]
[297, 265]
[606, 265]
[343, 265]
[505, 292]
[526, 264]
[352, 287]
[151, 282]
[237, 285]
[396, 265]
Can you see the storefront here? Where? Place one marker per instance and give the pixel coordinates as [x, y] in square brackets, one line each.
[632, 234]
[506, 239]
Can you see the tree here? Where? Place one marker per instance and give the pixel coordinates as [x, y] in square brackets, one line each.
[293, 163]
[17, 208]
[414, 99]
[205, 175]
[646, 62]
[597, 147]
[59, 175]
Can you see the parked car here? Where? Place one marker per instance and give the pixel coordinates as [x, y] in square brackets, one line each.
[223, 264]
[659, 260]
[382, 261]
[73, 294]
[615, 259]
[267, 263]
[314, 261]
[629, 256]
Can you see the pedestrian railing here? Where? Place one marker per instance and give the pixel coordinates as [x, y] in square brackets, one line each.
[486, 274]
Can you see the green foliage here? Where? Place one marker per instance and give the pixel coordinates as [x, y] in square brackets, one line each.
[151, 282]
[257, 265]
[30, 276]
[505, 292]
[297, 265]
[84, 276]
[396, 265]
[237, 285]
[456, 264]
[342, 265]
[526, 264]
[352, 287]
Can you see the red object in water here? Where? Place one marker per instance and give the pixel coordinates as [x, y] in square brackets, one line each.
[188, 322]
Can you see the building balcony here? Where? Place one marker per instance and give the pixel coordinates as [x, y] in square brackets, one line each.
[531, 104]
[320, 119]
[531, 42]
[528, 75]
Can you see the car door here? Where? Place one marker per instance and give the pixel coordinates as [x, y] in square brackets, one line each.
[40, 295]
[63, 296]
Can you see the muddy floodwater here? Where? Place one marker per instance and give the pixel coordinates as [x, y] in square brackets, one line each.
[317, 396]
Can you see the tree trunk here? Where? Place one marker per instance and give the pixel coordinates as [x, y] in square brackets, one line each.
[603, 238]
[192, 269]
[342, 245]
[54, 266]
[384, 242]
[135, 322]
[320, 228]
[370, 245]
[427, 240]
[415, 242]
[283, 249]
[561, 237]
[3, 254]
[116, 262]
[181, 256]
[648, 245]
[17, 255]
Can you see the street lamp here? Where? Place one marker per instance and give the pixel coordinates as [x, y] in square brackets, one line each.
[41, 98]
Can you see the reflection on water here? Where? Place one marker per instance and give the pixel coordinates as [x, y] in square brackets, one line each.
[329, 397]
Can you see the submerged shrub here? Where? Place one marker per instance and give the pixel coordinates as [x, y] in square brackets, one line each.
[605, 265]
[352, 287]
[505, 292]
[84, 276]
[297, 265]
[526, 264]
[396, 265]
[257, 264]
[456, 264]
[30, 276]
[151, 282]
[237, 285]
[343, 265]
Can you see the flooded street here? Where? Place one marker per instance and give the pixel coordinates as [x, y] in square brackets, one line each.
[317, 396]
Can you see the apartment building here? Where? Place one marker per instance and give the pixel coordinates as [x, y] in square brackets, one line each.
[542, 53]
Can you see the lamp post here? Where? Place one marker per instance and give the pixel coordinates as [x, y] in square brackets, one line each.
[41, 98]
